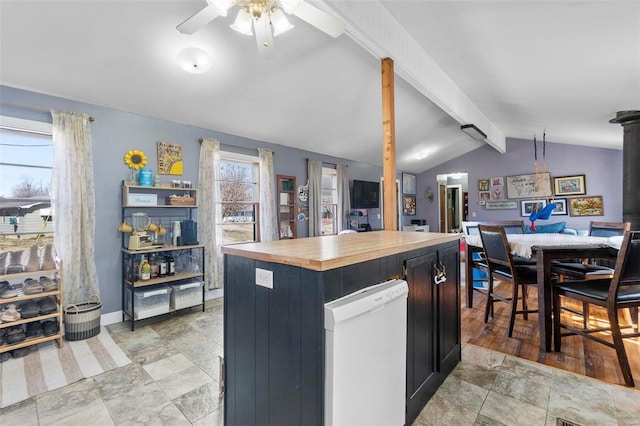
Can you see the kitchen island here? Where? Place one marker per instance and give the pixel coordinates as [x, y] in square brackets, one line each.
[274, 337]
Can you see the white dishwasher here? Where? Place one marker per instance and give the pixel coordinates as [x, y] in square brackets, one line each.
[365, 358]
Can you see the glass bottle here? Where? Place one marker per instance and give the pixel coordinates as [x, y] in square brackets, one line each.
[162, 267]
[145, 270]
[171, 265]
[155, 267]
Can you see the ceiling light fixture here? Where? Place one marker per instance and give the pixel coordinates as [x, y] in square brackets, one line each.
[265, 18]
[473, 131]
[194, 60]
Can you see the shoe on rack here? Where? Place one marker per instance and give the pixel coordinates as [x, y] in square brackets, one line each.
[50, 327]
[15, 334]
[20, 352]
[48, 257]
[3, 262]
[34, 329]
[15, 262]
[29, 309]
[31, 286]
[9, 313]
[48, 284]
[31, 261]
[4, 356]
[3, 333]
[47, 305]
[7, 290]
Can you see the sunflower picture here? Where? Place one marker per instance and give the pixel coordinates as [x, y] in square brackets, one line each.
[135, 159]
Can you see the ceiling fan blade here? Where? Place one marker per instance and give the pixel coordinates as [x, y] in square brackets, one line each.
[319, 19]
[197, 21]
[264, 36]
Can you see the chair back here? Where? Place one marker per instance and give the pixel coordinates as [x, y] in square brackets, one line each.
[627, 270]
[496, 247]
[608, 229]
[510, 226]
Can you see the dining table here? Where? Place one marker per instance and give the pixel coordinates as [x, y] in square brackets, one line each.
[544, 249]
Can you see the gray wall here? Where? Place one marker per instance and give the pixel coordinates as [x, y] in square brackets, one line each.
[602, 168]
[114, 132]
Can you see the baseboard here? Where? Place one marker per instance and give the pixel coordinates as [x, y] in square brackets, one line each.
[114, 317]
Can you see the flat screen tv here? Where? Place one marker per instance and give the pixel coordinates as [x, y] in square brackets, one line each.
[366, 195]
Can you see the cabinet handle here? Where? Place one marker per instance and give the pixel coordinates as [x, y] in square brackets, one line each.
[439, 274]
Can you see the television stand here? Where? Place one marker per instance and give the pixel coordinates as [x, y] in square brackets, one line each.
[358, 221]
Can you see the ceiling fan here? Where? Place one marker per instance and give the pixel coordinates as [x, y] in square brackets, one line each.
[265, 17]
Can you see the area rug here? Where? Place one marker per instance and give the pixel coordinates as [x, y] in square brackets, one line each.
[49, 367]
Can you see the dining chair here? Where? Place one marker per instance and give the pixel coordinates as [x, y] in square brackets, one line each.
[502, 266]
[592, 269]
[479, 262]
[619, 292]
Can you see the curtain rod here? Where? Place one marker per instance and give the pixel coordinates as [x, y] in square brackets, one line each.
[236, 146]
[31, 108]
[326, 162]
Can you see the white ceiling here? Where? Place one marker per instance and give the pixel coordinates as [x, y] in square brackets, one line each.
[563, 66]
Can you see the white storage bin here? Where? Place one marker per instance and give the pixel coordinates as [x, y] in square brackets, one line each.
[149, 302]
[186, 294]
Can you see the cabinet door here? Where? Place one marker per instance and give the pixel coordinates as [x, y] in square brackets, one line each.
[449, 311]
[422, 377]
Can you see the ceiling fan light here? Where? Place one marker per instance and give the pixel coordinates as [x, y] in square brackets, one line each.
[220, 6]
[243, 22]
[194, 60]
[279, 23]
[290, 6]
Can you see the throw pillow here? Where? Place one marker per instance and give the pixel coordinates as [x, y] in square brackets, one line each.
[551, 228]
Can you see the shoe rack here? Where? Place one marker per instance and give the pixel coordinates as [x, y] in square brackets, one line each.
[17, 280]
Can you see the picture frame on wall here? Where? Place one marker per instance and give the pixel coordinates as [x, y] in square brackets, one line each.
[497, 181]
[484, 195]
[569, 185]
[483, 185]
[409, 184]
[586, 206]
[529, 206]
[409, 205]
[561, 207]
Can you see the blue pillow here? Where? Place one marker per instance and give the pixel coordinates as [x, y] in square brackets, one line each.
[551, 228]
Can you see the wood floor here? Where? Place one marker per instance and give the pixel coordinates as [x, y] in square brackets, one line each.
[579, 355]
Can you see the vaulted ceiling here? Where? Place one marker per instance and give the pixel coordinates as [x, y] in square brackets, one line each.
[513, 68]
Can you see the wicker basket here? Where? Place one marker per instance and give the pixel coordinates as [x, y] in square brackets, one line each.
[82, 321]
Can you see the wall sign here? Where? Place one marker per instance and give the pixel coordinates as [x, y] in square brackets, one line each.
[528, 186]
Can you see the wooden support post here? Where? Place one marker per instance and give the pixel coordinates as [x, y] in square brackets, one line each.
[389, 147]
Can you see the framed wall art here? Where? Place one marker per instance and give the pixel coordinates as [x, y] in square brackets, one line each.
[501, 205]
[529, 206]
[561, 207]
[169, 159]
[586, 206]
[483, 185]
[528, 186]
[497, 181]
[569, 185]
[409, 184]
[484, 195]
[409, 205]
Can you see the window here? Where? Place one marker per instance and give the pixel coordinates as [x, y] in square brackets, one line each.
[329, 201]
[26, 163]
[240, 194]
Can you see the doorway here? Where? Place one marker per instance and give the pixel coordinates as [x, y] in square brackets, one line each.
[452, 196]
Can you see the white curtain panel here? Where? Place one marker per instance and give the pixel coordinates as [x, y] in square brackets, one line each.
[210, 212]
[314, 172]
[267, 215]
[344, 197]
[73, 203]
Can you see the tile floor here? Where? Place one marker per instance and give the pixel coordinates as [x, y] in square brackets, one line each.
[173, 381]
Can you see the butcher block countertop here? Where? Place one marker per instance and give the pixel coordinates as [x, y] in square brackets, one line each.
[336, 251]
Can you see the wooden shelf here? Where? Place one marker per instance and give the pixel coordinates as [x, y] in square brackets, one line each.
[178, 276]
[32, 341]
[57, 315]
[286, 207]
